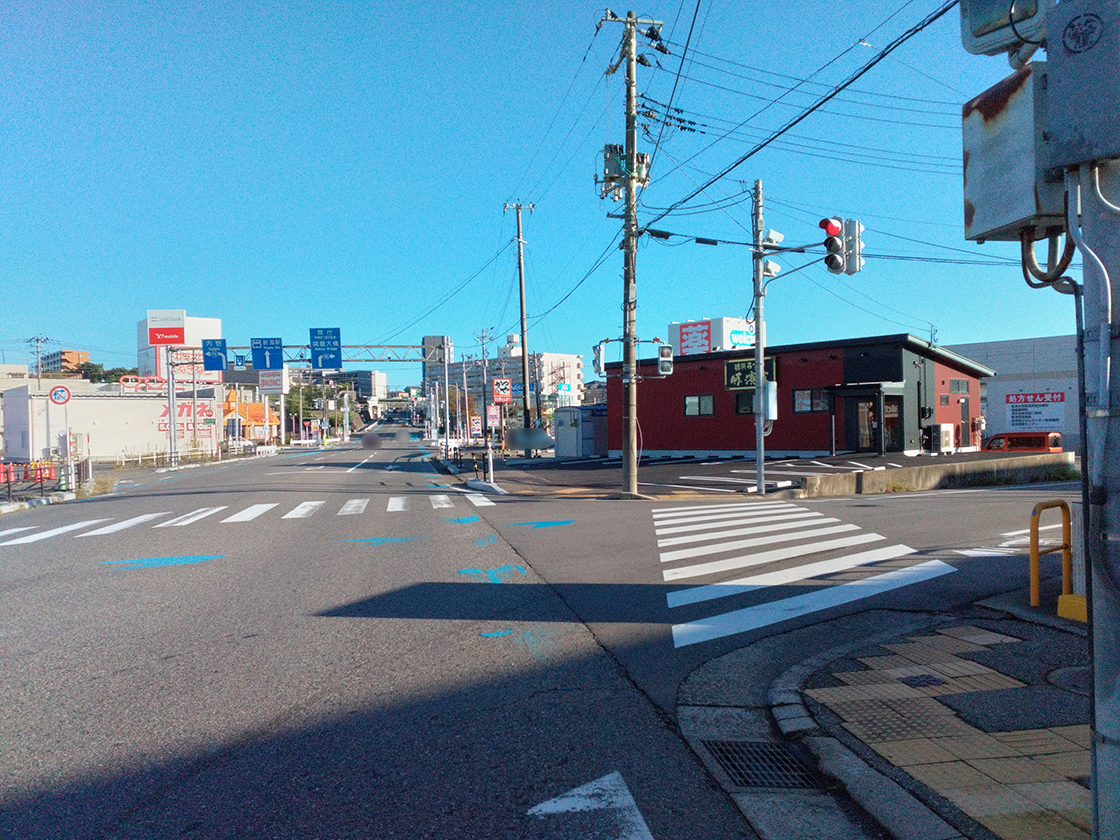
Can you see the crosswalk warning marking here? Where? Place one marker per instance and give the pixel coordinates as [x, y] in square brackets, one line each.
[716, 518]
[478, 500]
[763, 615]
[188, 518]
[440, 501]
[303, 510]
[120, 526]
[732, 521]
[764, 557]
[354, 507]
[42, 535]
[734, 545]
[397, 503]
[726, 588]
[249, 514]
[799, 521]
[719, 508]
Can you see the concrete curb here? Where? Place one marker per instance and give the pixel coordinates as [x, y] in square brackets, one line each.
[895, 808]
[486, 486]
[53, 499]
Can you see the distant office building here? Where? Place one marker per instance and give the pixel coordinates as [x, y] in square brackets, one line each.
[64, 361]
[366, 383]
[1034, 388]
[434, 348]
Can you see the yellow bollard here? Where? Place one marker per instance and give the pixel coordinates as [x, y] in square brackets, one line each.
[1067, 556]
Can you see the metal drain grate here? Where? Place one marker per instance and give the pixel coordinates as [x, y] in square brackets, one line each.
[754, 764]
[922, 681]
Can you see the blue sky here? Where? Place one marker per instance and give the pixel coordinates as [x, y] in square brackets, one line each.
[298, 165]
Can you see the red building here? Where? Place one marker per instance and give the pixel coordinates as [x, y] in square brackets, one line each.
[893, 393]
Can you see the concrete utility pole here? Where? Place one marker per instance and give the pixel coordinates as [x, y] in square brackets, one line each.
[446, 407]
[483, 335]
[525, 410]
[38, 341]
[759, 347]
[632, 174]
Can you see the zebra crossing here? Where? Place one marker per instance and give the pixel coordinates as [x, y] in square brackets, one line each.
[304, 510]
[713, 544]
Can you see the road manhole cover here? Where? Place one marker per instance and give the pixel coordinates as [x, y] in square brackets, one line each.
[754, 764]
[923, 681]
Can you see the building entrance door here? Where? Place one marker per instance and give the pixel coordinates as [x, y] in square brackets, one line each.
[868, 423]
[892, 426]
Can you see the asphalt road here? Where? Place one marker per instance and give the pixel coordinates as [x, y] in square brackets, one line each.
[343, 644]
[322, 645]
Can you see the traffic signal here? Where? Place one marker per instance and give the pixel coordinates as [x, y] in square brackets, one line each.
[665, 359]
[597, 362]
[853, 246]
[836, 258]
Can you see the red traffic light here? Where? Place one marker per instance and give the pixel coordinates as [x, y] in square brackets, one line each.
[832, 227]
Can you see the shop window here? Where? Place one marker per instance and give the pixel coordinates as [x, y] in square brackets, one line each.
[958, 386]
[700, 405]
[944, 399]
[744, 402]
[810, 400]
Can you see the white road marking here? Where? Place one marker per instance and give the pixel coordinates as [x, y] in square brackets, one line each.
[397, 503]
[716, 508]
[765, 557]
[777, 484]
[987, 551]
[817, 519]
[42, 535]
[861, 466]
[735, 545]
[687, 487]
[698, 594]
[1028, 530]
[188, 518]
[354, 507]
[249, 514]
[715, 478]
[120, 526]
[441, 501]
[622, 822]
[828, 466]
[718, 517]
[763, 615]
[7, 531]
[771, 471]
[478, 500]
[742, 520]
[356, 466]
[303, 510]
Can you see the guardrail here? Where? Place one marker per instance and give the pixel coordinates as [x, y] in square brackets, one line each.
[1065, 548]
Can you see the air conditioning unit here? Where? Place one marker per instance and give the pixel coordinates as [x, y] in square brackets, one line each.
[943, 437]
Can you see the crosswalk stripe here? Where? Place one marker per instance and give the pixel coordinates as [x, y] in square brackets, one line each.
[7, 531]
[354, 507]
[303, 510]
[726, 506]
[397, 503]
[719, 517]
[188, 518]
[439, 501]
[478, 500]
[698, 594]
[735, 545]
[763, 615]
[765, 557]
[42, 535]
[250, 513]
[120, 526]
[817, 519]
[743, 520]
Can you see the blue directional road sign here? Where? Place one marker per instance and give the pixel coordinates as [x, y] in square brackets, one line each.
[214, 354]
[326, 348]
[268, 353]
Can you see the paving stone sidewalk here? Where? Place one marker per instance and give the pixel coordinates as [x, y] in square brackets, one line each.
[987, 719]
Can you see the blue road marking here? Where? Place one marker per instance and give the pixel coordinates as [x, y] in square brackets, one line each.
[463, 520]
[379, 540]
[545, 524]
[154, 562]
[489, 538]
[495, 634]
[495, 575]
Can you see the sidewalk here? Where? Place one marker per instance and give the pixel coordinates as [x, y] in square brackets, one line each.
[967, 725]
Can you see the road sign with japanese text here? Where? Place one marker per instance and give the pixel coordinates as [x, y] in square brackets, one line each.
[268, 353]
[326, 348]
[503, 391]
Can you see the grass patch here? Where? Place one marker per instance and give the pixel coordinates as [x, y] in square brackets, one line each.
[101, 485]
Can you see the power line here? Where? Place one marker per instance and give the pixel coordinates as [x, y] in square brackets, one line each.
[895, 44]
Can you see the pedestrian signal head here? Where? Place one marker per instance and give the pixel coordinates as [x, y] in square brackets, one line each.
[665, 359]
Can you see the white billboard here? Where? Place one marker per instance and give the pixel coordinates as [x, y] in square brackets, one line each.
[711, 335]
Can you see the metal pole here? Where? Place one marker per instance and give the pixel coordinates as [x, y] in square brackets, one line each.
[172, 420]
[486, 415]
[1099, 242]
[759, 347]
[446, 406]
[629, 274]
[525, 413]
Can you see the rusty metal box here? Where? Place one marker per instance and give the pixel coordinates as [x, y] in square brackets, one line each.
[1006, 160]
